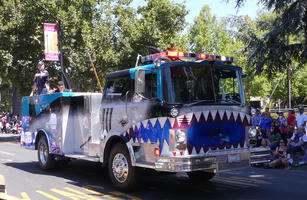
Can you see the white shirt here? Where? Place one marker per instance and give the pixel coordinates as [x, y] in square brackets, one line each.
[300, 119]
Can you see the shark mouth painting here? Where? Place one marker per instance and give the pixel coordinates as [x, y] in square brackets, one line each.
[206, 130]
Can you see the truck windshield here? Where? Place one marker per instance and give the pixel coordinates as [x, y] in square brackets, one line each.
[202, 84]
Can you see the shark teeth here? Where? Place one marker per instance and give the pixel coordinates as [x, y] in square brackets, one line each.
[162, 121]
[194, 150]
[138, 125]
[221, 113]
[228, 114]
[235, 115]
[145, 123]
[206, 113]
[153, 121]
[242, 115]
[197, 115]
[171, 121]
[165, 149]
[213, 114]
[179, 120]
[189, 117]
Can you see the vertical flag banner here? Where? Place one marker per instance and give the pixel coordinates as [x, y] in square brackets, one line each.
[51, 42]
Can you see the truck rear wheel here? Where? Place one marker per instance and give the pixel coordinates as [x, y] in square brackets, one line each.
[122, 174]
[45, 159]
[200, 176]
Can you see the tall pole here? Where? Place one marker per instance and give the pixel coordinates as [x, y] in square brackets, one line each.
[289, 76]
[60, 42]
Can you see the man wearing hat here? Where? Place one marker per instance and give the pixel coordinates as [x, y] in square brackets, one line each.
[41, 80]
[301, 118]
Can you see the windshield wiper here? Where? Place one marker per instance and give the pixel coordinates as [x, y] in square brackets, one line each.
[198, 102]
[232, 101]
[235, 101]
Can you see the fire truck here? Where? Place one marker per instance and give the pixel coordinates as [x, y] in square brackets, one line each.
[175, 112]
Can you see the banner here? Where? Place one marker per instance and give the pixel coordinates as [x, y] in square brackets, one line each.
[51, 42]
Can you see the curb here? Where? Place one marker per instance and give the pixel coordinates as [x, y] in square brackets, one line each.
[2, 184]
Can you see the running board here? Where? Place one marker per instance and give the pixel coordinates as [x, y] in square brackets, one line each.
[83, 157]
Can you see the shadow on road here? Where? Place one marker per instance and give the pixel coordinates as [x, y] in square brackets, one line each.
[94, 177]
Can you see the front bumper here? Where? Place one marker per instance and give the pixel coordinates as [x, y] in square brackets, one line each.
[207, 163]
[260, 155]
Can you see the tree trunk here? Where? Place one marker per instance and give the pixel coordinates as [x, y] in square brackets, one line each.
[16, 102]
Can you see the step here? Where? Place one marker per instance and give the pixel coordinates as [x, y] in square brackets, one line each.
[83, 157]
[260, 155]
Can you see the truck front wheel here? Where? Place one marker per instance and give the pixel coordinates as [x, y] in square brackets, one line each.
[45, 159]
[122, 174]
[200, 176]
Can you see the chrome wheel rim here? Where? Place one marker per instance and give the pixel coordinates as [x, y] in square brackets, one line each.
[120, 167]
[43, 153]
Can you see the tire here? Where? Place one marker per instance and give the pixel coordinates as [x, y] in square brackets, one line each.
[45, 159]
[200, 176]
[122, 174]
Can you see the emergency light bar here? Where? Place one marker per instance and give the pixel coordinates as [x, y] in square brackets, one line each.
[173, 55]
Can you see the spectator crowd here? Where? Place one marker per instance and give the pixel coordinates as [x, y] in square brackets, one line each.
[285, 136]
[10, 123]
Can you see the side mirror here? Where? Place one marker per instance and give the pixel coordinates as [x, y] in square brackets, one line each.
[139, 82]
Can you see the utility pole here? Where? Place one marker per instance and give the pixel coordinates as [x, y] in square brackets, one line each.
[289, 76]
[60, 42]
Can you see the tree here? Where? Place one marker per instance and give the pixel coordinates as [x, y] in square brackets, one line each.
[112, 31]
[273, 48]
[160, 25]
[265, 80]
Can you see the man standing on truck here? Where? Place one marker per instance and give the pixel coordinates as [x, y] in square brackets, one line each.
[41, 80]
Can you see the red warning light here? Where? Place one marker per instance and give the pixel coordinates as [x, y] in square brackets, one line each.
[172, 53]
[157, 151]
[202, 56]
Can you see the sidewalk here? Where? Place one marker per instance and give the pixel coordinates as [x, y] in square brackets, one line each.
[9, 137]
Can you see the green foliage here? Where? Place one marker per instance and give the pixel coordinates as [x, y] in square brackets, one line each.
[210, 36]
[269, 76]
[160, 25]
[274, 47]
[112, 31]
[5, 95]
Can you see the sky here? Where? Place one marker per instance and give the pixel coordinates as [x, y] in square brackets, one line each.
[219, 8]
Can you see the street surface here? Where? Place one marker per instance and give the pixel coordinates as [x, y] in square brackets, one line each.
[86, 180]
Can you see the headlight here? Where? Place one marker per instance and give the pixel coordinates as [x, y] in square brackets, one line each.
[177, 139]
[252, 132]
[180, 136]
[174, 112]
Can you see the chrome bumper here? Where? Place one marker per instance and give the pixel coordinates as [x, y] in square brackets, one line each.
[188, 164]
[260, 155]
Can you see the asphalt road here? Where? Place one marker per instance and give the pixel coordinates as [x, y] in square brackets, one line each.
[87, 180]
